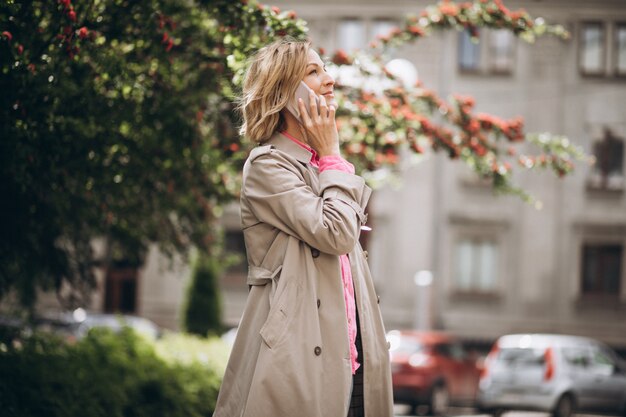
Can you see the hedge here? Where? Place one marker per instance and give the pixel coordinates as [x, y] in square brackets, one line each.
[111, 374]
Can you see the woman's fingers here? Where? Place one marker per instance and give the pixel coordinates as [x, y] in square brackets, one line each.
[331, 112]
[315, 111]
[304, 114]
[323, 106]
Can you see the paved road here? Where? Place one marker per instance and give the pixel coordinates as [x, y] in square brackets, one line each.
[401, 411]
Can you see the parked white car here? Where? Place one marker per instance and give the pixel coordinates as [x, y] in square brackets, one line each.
[554, 373]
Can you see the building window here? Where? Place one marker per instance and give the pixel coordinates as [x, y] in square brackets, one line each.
[608, 171]
[495, 55]
[469, 53]
[501, 51]
[476, 265]
[620, 49]
[352, 35]
[381, 27]
[592, 44]
[121, 290]
[602, 269]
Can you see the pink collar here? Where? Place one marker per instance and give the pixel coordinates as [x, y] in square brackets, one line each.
[314, 158]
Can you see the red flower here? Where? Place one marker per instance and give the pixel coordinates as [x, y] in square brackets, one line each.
[291, 14]
[65, 3]
[473, 126]
[480, 150]
[234, 147]
[7, 35]
[20, 49]
[72, 15]
[449, 9]
[170, 45]
[83, 32]
[275, 9]
[165, 37]
[416, 30]
[341, 58]
[31, 67]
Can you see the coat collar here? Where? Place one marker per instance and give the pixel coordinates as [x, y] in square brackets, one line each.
[283, 143]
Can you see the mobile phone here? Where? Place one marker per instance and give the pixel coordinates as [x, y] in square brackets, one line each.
[302, 92]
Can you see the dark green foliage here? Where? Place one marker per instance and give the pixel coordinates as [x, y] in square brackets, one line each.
[203, 310]
[105, 374]
[116, 121]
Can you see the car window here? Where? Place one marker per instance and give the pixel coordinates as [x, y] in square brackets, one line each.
[521, 356]
[451, 350]
[602, 362]
[576, 356]
[406, 346]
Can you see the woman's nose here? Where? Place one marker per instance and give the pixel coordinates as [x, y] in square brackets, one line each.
[329, 80]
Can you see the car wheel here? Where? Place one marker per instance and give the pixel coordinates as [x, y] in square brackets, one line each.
[439, 399]
[564, 407]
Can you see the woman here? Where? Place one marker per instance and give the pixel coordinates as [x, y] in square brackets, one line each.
[311, 341]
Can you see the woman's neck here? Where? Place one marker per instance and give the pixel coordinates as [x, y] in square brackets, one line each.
[292, 127]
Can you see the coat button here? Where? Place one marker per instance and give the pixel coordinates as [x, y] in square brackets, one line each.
[315, 252]
[367, 256]
[317, 350]
[318, 303]
[378, 299]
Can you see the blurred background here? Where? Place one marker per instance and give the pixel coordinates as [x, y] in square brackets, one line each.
[445, 253]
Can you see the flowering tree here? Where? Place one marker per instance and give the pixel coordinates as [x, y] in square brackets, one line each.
[117, 122]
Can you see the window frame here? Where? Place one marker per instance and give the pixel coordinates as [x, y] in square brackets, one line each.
[474, 287]
[598, 180]
[595, 233]
[615, 50]
[116, 277]
[587, 244]
[363, 22]
[492, 70]
[604, 30]
[466, 70]
[486, 55]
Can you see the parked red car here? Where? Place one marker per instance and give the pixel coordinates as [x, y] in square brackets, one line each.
[431, 369]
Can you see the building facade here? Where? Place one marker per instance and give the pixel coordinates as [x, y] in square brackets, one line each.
[499, 265]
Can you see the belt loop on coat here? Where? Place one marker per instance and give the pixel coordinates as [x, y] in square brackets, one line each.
[261, 276]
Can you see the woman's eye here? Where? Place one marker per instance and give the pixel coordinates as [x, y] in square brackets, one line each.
[313, 72]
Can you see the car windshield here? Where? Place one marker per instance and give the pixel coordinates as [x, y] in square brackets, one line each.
[521, 356]
[405, 346]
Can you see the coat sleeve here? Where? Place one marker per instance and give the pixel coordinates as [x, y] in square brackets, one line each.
[330, 222]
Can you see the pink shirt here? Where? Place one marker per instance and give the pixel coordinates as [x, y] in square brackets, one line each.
[337, 162]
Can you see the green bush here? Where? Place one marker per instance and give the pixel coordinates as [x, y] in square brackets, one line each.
[111, 374]
[202, 314]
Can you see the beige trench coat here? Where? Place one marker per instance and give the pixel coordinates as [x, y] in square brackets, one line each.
[291, 357]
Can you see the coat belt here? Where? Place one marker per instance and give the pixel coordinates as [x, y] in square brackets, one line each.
[261, 276]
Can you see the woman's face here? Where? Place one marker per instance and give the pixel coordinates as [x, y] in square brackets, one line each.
[318, 80]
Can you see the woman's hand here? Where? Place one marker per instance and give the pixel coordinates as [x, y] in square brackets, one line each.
[319, 127]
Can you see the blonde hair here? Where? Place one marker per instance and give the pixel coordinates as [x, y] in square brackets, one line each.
[272, 78]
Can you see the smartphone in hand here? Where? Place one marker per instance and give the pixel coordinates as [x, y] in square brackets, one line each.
[302, 92]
